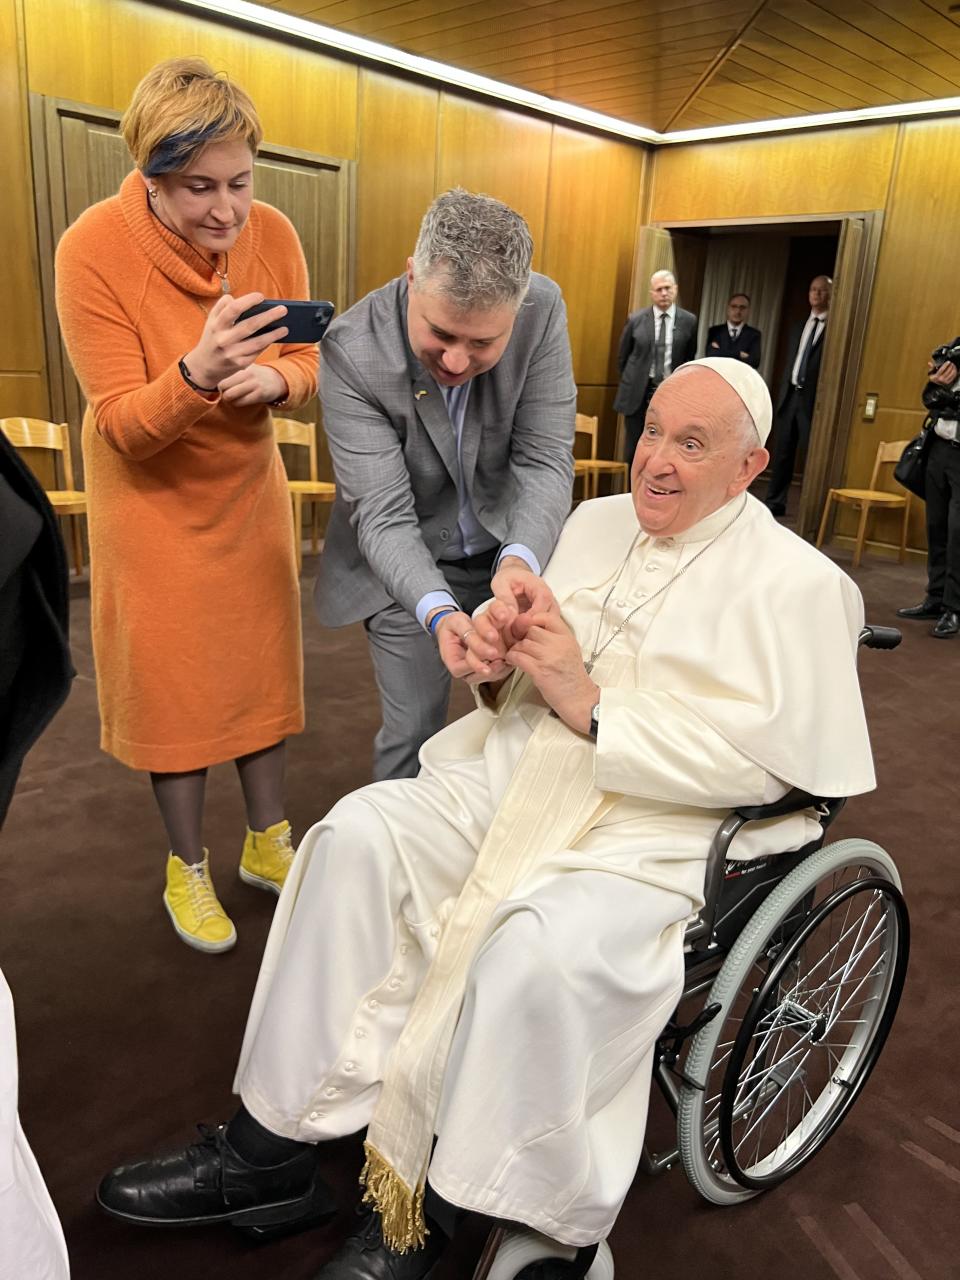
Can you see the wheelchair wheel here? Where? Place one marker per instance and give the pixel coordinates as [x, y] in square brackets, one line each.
[522, 1246]
[806, 998]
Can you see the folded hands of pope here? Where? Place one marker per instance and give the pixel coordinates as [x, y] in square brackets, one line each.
[522, 629]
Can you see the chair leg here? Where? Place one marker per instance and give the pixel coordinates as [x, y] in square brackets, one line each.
[77, 541]
[861, 534]
[903, 531]
[314, 527]
[826, 516]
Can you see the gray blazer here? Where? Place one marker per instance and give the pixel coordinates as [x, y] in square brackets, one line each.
[636, 354]
[395, 453]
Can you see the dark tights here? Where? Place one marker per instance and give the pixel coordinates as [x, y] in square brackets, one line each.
[180, 799]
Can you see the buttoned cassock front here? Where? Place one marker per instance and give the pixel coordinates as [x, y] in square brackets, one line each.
[544, 1096]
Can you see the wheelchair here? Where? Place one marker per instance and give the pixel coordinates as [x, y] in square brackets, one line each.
[802, 958]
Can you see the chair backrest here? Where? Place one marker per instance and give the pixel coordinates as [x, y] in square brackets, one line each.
[35, 433]
[290, 431]
[888, 452]
[586, 426]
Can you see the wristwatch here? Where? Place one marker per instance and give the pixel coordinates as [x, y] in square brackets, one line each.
[595, 722]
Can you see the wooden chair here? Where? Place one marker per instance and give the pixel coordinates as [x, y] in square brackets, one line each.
[592, 467]
[289, 431]
[34, 433]
[872, 498]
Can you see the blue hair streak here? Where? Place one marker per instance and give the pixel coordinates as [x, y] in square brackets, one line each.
[175, 152]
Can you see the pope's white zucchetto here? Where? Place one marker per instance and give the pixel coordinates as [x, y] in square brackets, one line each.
[748, 385]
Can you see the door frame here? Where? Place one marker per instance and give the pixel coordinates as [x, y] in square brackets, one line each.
[843, 354]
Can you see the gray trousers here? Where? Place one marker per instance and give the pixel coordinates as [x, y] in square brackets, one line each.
[414, 684]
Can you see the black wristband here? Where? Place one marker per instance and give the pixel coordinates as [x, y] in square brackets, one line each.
[185, 375]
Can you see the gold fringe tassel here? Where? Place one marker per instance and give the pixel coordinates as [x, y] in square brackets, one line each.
[400, 1209]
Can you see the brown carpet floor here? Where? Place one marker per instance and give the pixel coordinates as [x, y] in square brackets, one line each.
[127, 1037]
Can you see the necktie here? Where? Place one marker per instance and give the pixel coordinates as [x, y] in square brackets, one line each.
[805, 356]
[659, 348]
[733, 334]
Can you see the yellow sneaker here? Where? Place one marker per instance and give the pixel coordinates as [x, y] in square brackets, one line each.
[193, 908]
[267, 856]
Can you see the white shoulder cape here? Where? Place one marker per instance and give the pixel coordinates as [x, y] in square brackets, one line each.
[759, 639]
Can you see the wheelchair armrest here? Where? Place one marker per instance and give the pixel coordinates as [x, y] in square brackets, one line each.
[792, 802]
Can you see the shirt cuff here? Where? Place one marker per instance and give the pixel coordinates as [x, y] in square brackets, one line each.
[433, 600]
[518, 549]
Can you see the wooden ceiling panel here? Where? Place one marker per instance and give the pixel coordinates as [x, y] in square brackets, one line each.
[675, 64]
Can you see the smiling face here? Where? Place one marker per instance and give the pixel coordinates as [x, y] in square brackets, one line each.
[454, 345]
[693, 455]
[208, 202]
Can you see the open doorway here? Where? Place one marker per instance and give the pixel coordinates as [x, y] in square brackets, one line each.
[774, 261]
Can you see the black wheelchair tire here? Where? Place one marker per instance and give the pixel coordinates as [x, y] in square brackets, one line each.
[701, 1119]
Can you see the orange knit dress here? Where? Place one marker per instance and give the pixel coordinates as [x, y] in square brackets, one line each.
[195, 603]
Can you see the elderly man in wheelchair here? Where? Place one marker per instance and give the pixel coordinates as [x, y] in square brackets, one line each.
[485, 965]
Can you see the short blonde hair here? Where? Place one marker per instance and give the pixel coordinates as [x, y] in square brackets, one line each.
[178, 108]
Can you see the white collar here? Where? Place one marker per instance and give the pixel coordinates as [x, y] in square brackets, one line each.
[704, 529]
[671, 311]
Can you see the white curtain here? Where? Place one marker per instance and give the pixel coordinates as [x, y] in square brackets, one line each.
[752, 264]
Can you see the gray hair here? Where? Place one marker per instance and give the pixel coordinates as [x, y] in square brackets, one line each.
[474, 250]
[657, 275]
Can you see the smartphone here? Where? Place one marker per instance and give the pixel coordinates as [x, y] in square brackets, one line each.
[304, 321]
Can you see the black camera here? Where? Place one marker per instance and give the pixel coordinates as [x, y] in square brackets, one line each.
[943, 401]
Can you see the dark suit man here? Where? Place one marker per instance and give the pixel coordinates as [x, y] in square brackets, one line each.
[448, 405]
[798, 393]
[654, 342]
[736, 339]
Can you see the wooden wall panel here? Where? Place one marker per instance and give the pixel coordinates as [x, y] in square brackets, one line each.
[97, 50]
[914, 305]
[23, 395]
[500, 153]
[21, 334]
[826, 171]
[590, 235]
[396, 174]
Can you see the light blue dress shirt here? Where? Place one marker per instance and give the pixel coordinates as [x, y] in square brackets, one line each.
[470, 537]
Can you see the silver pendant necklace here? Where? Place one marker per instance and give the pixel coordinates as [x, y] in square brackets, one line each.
[599, 648]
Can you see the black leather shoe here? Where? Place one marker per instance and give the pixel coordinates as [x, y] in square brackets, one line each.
[208, 1183]
[364, 1256]
[928, 609]
[948, 625]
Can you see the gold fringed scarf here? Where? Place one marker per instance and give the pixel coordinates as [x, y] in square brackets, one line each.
[549, 803]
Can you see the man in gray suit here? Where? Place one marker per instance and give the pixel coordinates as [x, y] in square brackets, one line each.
[654, 342]
[448, 403]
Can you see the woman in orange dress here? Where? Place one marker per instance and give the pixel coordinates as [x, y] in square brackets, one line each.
[194, 591]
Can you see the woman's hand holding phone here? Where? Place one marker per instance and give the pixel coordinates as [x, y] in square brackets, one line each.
[224, 357]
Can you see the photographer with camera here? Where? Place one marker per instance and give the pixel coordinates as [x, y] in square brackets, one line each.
[941, 396]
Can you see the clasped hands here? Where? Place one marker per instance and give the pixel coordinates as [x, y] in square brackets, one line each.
[522, 629]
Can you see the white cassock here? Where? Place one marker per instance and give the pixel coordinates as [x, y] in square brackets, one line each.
[736, 682]
[31, 1240]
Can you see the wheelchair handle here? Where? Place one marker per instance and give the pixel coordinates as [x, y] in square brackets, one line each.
[880, 637]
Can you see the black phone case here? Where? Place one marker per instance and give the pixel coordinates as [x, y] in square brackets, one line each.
[304, 321]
